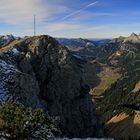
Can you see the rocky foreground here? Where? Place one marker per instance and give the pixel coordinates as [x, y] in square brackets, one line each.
[38, 72]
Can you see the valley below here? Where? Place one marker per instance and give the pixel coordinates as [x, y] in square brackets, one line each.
[112, 72]
[85, 89]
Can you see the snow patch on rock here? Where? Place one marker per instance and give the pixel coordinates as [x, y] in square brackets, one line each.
[6, 71]
[15, 51]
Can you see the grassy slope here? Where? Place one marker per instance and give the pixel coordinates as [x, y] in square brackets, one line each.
[107, 77]
[123, 97]
[124, 126]
[137, 87]
[6, 48]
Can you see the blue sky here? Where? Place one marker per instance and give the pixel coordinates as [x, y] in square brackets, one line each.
[71, 18]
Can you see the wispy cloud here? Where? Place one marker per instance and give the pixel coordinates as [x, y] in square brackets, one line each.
[20, 12]
[78, 11]
[91, 4]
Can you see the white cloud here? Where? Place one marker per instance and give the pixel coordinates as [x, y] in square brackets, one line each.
[20, 12]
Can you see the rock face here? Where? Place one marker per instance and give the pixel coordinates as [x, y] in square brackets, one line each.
[15, 85]
[133, 38]
[4, 40]
[39, 72]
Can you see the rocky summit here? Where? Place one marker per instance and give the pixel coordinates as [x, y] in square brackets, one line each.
[40, 73]
[5, 40]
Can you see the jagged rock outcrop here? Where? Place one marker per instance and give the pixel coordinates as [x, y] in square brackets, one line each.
[133, 38]
[4, 40]
[38, 71]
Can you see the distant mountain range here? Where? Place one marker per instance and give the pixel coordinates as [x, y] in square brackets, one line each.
[85, 47]
[77, 44]
[82, 43]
